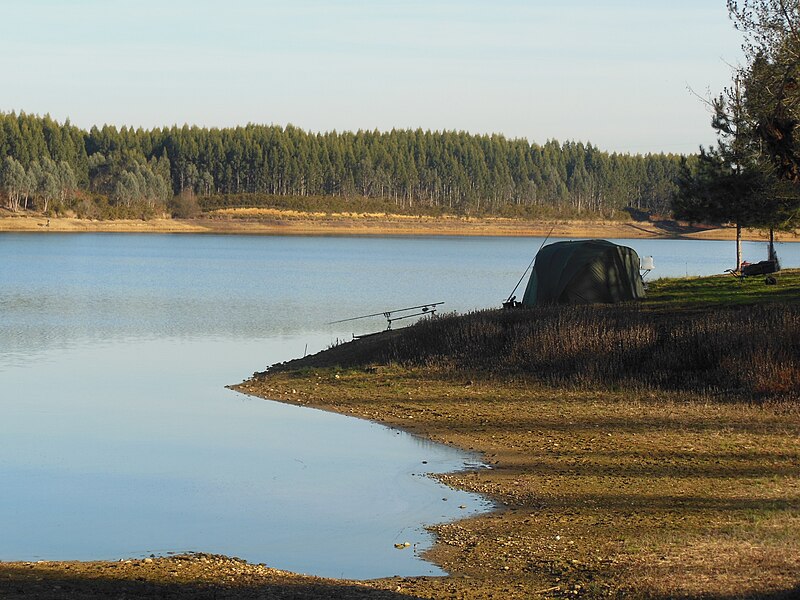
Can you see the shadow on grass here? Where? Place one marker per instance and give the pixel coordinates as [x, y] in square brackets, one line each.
[745, 353]
[789, 594]
[594, 427]
[21, 582]
[642, 505]
[688, 470]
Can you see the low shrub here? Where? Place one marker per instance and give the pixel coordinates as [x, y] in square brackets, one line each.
[739, 352]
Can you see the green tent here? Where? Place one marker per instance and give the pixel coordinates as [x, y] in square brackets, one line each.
[584, 272]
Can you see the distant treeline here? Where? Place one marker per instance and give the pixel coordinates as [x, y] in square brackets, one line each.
[57, 167]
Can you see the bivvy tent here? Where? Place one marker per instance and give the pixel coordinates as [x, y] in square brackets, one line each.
[584, 272]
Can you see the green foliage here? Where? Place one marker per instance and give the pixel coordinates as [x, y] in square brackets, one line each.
[141, 184]
[45, 182]
[14, 180]
[713, 190]
[324, 204]
[764, 118]
[414, 171]
[752, 177]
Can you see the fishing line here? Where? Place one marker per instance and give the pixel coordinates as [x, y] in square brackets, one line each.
[544, 241]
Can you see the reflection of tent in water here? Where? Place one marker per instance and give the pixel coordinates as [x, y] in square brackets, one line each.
[584, 272]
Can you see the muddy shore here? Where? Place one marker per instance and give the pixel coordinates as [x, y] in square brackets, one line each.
[601, 494]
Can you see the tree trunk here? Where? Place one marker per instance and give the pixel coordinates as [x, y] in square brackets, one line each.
[738, 246]
[771, 244]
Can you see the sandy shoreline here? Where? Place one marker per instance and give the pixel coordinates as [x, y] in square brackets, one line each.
[292, 223]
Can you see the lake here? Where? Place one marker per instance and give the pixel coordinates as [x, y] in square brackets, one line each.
[119, 439]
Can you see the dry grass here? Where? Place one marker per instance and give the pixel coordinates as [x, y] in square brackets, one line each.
[738, 353]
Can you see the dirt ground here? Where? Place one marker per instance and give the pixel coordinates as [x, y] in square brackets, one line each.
[601, 494]
[275, 222]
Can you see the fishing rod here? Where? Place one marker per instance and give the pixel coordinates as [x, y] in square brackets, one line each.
[430, 307]
[544, 241]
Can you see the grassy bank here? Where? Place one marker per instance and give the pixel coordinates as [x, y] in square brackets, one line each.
[638, 451]
[738, 340]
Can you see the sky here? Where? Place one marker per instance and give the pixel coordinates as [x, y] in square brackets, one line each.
[627, 76]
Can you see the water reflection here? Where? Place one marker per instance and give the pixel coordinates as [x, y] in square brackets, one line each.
[124, 450]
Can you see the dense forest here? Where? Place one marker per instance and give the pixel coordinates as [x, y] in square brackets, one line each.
[107, 172]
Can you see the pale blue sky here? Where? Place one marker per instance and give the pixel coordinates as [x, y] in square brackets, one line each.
[613, 73]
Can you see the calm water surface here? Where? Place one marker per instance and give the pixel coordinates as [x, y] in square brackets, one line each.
[117, 437]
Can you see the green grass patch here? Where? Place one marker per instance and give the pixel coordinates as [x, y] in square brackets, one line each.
[722, 290]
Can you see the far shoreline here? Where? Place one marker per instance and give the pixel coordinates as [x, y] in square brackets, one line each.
[294, 224]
